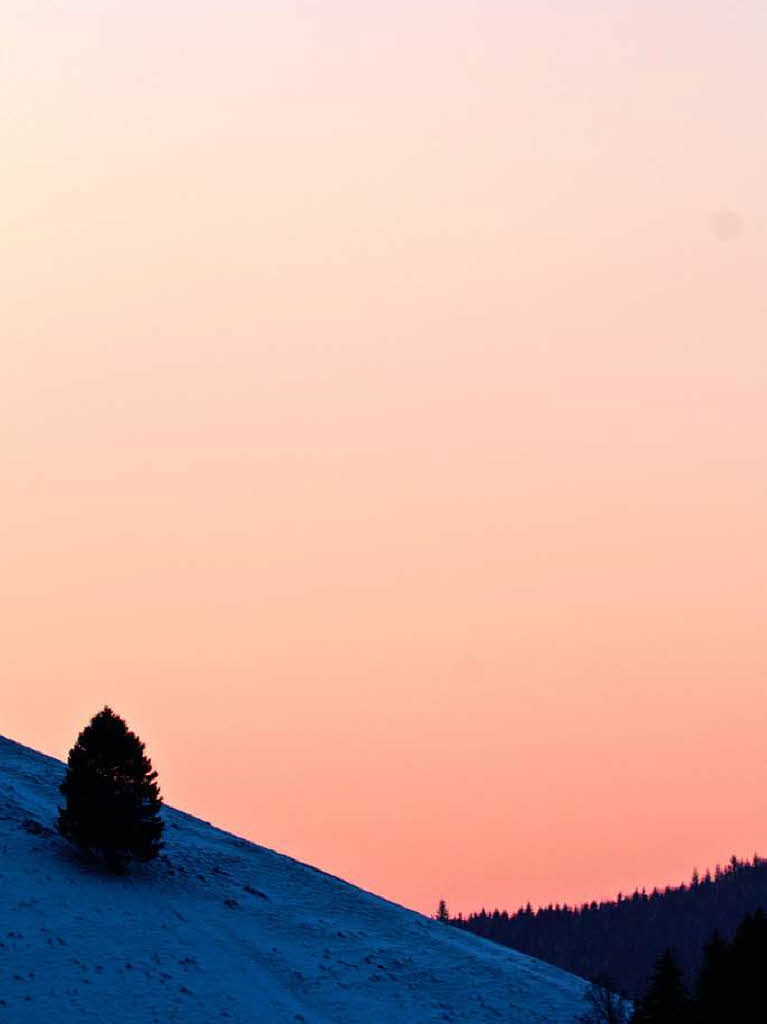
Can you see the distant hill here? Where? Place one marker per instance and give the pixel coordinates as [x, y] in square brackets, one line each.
[622, 938]
[219, 929]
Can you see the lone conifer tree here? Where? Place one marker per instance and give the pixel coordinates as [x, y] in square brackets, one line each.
[665, 1001]
[112, 798]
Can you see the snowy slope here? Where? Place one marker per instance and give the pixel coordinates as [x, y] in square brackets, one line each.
[223, 930]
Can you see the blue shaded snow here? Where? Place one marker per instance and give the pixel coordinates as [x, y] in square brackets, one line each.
[220, 929]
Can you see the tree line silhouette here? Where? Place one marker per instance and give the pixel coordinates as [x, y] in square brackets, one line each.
[623, 938]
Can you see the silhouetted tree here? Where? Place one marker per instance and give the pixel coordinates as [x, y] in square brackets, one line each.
[665, 1001]
[112, 798]
[713, 993]
[749, 959]
[442, 914]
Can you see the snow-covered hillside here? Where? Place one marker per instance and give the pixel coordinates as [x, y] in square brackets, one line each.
[222, 930]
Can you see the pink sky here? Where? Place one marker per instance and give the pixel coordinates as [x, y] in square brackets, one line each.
[384, 429]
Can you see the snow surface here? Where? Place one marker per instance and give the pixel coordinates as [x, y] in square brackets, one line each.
[219, 929]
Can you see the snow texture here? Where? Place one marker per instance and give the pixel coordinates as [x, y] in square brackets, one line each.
[221, 930]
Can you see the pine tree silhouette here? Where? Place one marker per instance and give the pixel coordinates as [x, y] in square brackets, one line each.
[714, 991]
[112, 798]
[666, 1000]
[749, 956]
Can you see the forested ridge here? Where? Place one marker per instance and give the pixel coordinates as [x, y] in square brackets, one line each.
[623, 938]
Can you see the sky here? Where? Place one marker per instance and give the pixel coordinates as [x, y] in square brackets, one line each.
[383, 426]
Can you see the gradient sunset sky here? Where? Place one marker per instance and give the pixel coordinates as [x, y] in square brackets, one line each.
[383, 405]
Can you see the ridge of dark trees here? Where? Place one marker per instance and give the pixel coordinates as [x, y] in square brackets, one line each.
[622, 939]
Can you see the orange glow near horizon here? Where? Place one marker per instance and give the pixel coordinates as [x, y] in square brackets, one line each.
[385, 429]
